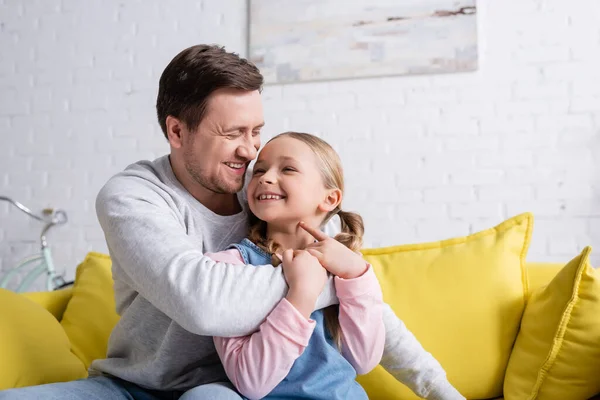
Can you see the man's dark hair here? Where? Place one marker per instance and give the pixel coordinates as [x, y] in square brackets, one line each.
[196, 72]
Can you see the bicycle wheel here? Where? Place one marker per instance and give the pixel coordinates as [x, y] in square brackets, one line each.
[30, 278]
[4, 282]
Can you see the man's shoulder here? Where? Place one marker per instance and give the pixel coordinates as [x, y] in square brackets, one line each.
[142, 180]
[143, 169]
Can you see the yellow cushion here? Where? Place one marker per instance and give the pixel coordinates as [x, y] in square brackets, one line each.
[33, 347]
[540, 274]
[463, 299]
[557, 352]
[55, 302]
[90, 315]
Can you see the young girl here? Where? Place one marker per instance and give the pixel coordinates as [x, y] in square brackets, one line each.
[297, 183]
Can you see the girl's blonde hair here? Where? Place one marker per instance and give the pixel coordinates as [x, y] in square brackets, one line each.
[352, 227]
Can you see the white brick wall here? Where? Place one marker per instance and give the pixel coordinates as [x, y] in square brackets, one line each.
[426, 157]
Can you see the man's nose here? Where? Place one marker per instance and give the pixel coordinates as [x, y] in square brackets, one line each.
[247, 150]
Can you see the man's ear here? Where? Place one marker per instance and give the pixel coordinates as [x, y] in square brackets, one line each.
[176, 131]
[331, 201]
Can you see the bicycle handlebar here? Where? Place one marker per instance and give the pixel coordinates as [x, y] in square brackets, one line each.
[50, 216]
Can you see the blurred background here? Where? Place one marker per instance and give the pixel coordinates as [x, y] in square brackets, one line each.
[426, 156]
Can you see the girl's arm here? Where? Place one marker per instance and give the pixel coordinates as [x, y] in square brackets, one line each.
[361, 320]
[257, 363]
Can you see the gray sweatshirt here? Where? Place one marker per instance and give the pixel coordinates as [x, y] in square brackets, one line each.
[172, 299]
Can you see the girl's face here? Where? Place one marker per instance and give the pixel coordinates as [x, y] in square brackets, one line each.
[287, 185]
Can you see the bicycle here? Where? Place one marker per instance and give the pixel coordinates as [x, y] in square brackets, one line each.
[41, 262]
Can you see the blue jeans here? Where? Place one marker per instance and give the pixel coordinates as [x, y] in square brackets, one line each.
[105, 388]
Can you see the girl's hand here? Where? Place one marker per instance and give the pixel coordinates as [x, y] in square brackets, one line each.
[306, 278]
[334, 256]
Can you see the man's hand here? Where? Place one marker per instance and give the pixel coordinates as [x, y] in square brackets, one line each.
[306, 278]
[334, 256]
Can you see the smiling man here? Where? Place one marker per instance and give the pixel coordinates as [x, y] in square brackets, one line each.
[160, 217]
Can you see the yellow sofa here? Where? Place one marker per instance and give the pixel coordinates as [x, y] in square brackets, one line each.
[56, 303]
[54, 336]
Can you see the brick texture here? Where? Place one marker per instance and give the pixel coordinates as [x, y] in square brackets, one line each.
[426, 157]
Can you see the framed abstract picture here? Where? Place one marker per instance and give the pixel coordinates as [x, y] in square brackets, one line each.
[311, 40]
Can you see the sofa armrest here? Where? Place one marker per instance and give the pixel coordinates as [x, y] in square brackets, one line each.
[55, 302]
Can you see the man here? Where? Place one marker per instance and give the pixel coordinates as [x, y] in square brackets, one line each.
[160, 217]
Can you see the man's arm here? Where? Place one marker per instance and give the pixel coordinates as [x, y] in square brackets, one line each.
[168, 268]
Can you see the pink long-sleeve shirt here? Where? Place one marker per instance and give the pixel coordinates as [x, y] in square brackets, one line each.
[257, 363]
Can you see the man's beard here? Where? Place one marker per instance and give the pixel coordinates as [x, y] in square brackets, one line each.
[214, 184]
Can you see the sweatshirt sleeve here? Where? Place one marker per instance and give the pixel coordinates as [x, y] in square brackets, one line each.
[165, 266]
[411, 364]
[361, 321]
